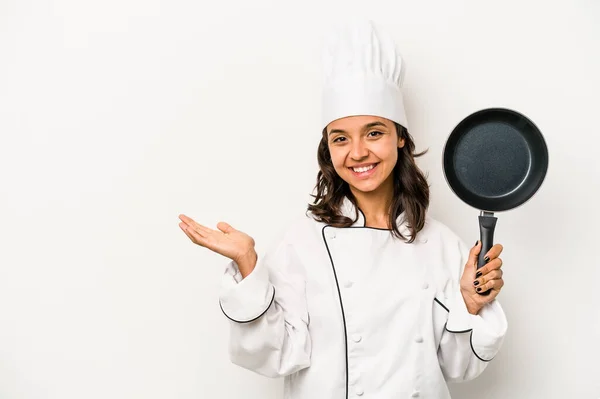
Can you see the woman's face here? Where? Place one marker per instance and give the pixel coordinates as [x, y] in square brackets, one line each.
[364, 150]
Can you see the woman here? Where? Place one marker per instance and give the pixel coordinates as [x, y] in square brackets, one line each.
[366, 295]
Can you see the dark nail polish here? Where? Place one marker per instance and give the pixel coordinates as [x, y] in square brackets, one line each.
[476, 242]
[486, 259]
[478, 275]
[475, 282]
[478, 289]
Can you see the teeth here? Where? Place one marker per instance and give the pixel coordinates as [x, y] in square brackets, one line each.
[363, 169]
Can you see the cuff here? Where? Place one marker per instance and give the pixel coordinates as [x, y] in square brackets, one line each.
[246, 300]
[487, 328]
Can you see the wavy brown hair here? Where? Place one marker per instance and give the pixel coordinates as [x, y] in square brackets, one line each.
[411, 190]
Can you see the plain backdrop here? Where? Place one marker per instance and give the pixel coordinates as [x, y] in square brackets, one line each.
[118, 115]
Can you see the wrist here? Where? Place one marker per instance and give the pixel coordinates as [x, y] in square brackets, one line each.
[247, 262]
[472, 307]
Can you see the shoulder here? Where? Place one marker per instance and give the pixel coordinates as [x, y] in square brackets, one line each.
[301, 227]
[451, 249]
[298, 231]
[436, 231]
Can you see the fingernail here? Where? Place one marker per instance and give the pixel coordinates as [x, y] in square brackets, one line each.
[476, 242]
[478, 289]
[475, 282]
[478, 275]
[486, 259]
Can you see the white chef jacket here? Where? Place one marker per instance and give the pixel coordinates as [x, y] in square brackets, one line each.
[356, 313]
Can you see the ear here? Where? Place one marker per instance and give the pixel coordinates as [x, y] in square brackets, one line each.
[400, 142]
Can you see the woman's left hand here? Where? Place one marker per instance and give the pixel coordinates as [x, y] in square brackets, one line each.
[488, 277]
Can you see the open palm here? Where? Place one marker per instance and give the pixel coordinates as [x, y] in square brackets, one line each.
[225, 241]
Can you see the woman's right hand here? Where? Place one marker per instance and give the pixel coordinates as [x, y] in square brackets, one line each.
[226, 241]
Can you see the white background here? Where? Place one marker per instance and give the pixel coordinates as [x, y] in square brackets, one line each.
[117, 115]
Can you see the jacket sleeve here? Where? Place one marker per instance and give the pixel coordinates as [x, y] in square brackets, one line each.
[268, 314]
[468, 342]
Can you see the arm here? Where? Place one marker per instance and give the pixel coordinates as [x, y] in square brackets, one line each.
[473, 334]
[265, 301]
[268, 314]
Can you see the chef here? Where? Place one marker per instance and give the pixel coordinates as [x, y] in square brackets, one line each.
[366, 295]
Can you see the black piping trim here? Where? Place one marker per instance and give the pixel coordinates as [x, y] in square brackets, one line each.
[470, 330]
[462, 332]
[475, 353]
[364, 226]
[458, 332]
[364, 217]
[471, 342]
[341, 304]
[254, 319]
[442, 305]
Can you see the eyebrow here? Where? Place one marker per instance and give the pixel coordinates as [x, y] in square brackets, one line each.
[365, 127]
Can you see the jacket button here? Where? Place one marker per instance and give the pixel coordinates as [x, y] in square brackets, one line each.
[419, 339]
[356, 338]
[348, 284]
[425, 285]
[415, 394]
[359, 391]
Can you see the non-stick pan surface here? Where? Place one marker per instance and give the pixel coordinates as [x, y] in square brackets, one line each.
[495, 159]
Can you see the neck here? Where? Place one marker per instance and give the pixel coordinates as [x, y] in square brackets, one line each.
[375, 205]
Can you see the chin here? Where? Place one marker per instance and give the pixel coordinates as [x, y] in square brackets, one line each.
[365, 187]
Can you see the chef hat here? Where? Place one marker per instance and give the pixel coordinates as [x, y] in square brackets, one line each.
[363, 73]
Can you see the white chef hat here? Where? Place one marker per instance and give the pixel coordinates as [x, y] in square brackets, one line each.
[363, 73]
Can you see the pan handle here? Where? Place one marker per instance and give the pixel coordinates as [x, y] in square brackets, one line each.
[487, 224]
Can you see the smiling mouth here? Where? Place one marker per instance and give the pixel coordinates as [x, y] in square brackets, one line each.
[364, 170]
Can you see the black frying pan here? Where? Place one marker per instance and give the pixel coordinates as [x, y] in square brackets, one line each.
[494, 160]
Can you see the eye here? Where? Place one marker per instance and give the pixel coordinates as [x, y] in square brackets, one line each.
[375, 133]
[339, 139]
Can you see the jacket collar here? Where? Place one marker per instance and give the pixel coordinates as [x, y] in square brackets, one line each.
[348, 209]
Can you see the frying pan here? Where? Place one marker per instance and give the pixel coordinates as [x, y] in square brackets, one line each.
[494, 160]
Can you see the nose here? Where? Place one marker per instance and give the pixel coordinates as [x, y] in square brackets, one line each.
[359, 150]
